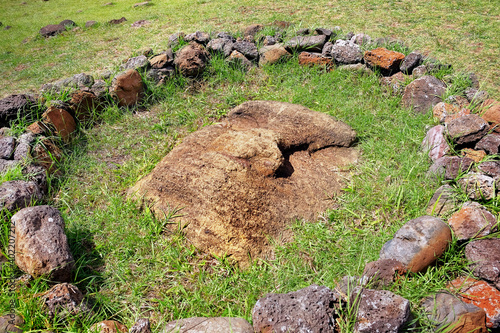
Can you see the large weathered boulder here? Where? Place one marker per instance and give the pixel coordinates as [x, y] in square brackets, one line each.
[312, 309]
[208, 325]
[472, 221]
[423, 93]
[16, 194]
[15, 107]
[127, 88]
[41, 246]
[418, 243]
[240, 182]
[192, 59]
[484, 258]
[65, 300]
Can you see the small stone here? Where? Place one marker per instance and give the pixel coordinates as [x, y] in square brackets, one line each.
[311, 309]
[381, 311]
[383, 272]
[249, 50]
[11, 323]
[23, 149]
[355, 68]
[90, 24]
[16, 194]
[61, 120]
[65, 300]
[174, 39]
[272, 54]
[85, 104]
[141, 4]
[141, 326]
[459, 101]
[472, 221]
[161, 61]
[199, 37]
[117, 21]
[484, 258]
[453, 315]
[467, 129]
[223, 46]
[52, 30]
[478, 186]
[395, 83]
[384, 59]
[41, 245]
[442, 110]
[450, 167]
[208, 325]
[139, 63]
[490, 144]
[442, 202]
[418, 243]
[435, 143]
[238, 58]
[491, 168]
[108, 326]
[475, 155]
[140, 23]
[303, 32]
[490, 111]
[419, 72]
[476, 96]
[7, 145]
[327, 32]
[361, 39]
[253, 29]
[345, 52]
[192, 60]
[423, 93]
[480, 294]
[315, 59]
[68, 23]
[306, 43]
[127, 88]
[37, 128]
[47, 154]
[410, 62]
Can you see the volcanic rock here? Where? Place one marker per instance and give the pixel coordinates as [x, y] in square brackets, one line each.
[108, 326]
[23, 149]
[478, 186]
[84, 105]
[491, 113]
[475, 155]
[15, 107]
[238, 58]
[361, 39]
[272, 54]
[192, 59]
[10, 323]
[484, 258]
[16, 194]
[435, 143]
[7, 145]
[62, 122]
[450, 167]
[476, 96]
[472, 221]
[442, 110]
[249, 50]
[208, 325]
[223, 46]
[243, 181]
[47, 154]
[65, 300]
[139, 63]
[199, 37]
[467, 129]
[253, 29]
[306, 43]
[315, 59]
[127, 88]
[410, 62]
[442, 202]
[52, 30]
[490, 144]
[491, 168]
[117, 21]
[141, 326]
[345, 52]
[383, 272]
[68, 23]
[423, 93]
[384, 59]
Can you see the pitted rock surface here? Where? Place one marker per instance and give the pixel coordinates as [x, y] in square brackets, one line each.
[467, 129]
[15, 106]
[52, 30]
[478, 186]
[141, 326]
[490, 144]
[208, 325]
[272, 54]
[41, 245]
[311, 309]
[450, 167]
[381, 311]
[16, 194]
[140, 63]
[418, 243]
[108, 326]
[443, 110]
[192, 59]
[306, 43]
[484, 258]
[244, 180]
[492, 169]
[423, 93]
[127, 88]
[7, 145]
[65, 300]
[410, 62]
[249, 50]
[345, 52]
[383, 272]
[384, 59]
[472, 221]
[223, 46]
[315, 59]
[199, 37]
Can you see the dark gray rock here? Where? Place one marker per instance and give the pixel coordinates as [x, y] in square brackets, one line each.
[141, 326]
[77, 81]
[491, 168]
[418, 243]
[222, 46]
[23, 149]
[306, 43]
[311, 309]
[484, 258]
[174, 39]
[356, 68]
[41, 245]
[65, 300]
[451, 314]
[443, 201]
[161, 75]
[117, 21]
[18, 194]
[478, 186]
[423, 93]
[381, 311]
[52, 30]
[208, 325]
[327, 49]
[410, 62]
[7, 145]
[11, 323]
[349, 35]
[249, 50]
[225, 35]
[68, 23]
[327, 32]
[345, 52]
[198, 37]
[6, 165]
[15, 107]
[469, 128]
[100, 89]
[383, 272]
[139, 63]
[450, 167]
[476, 96]
[490, 144]
[303, 32]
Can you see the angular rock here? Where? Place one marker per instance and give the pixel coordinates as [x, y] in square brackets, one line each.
[52, 30]
[117, 21]
[11, 323]
[6, 165]
[384, 59]
[491, 168]
[65, 300]
[108, 326]
[41, 245]
[472, 221]
[451, 117]
[100, 89]
[383, 272]
[423, 93]
[478, 186]
[160, 76]
[491, 113]
[174, 39]
[327, 32]
[272, 171]
[61, 120]
[249, 50]
[90, 24]
[47, 154]
[38, 175]
[459, 101]
[435, 143]
[199, 37]
[345, 52]
[419, 72]
[84, 105]
[225, 35]
[252, 30]
[191, 60]
[475, 155]
[238, 58]
[141, 326]
[476, 96]
[484, 258]
[418, 243]
[442, 202]
[381, 311]
[467, 129]
[306, 43]
[15, 107]
[222, 46]
[410, 62]
[7, 145]
[453, 315]
[127, 88]
[272, 54]
[450, 167]
[442, 110]
[23, 149]
[311, 309]
[139, 63]
[395, 83]
[77, 81]
[208, 325]
[490, 144]
[480, 294]
[16, 194]
[315, 59]
[361, 39]
[68, 23]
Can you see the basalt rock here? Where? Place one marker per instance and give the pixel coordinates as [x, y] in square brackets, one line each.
[127, 88]
[384, 59]
[272, 54]
[15, 106]
[472, 221]
[108, 326]
[423, 93]
[65, 300]
[484, 258]
[306, 43]
[345, 52]
[490, 144]
[240, 182]
[467, 129]
[478, 186]
[16, 194]
[208, 325]
[52, 30]
[443, 201]
[410, 62]
[191, 59]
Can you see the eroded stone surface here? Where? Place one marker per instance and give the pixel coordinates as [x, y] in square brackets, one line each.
[223, 46]
[490, 144]
[65, 300]
[383, 272]
[410, 62]
[244, 180]
[208, 325]
[423, 93]
[272, 54]
[472, 221]
[192, 59]
[450, 167]
[141, 326]
[314, 59]
[61, 120]
[16, 194]
[127, 88]
[384, 59]
[491, 169]
[249, 50]
[484, 258]
[478, 186]
[306, 43]
[11, 323]
[443, 201]
[15, 106]
[467, 129]
[345, 52]
[435, 143]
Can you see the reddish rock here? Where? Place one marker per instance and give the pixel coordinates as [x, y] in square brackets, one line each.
[435, 143]
[452, 315]
[423, 93]
[475, 155]
[442, 110]
[385, 59]
[480, 294]
[459, 101]
[315, 59]
[108, 326]
[467, 129]
[484, 258]
[65, 300]
[472, 221]
[161, 61]
[127, 88]
[84, 105]
[47, 154]
[491, 168]
[450, 167]
[442, 202]
[272, 54]
[490, 144]
[396, 83]
[253, 29]
[37, 128]
[192, 60]
[61, 120]
[418, 243]
[478, 186]
[491, 113]
[52, 30]
[383, 272]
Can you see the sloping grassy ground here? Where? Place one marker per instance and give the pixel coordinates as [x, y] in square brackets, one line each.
[464, 33]
[128, 266]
